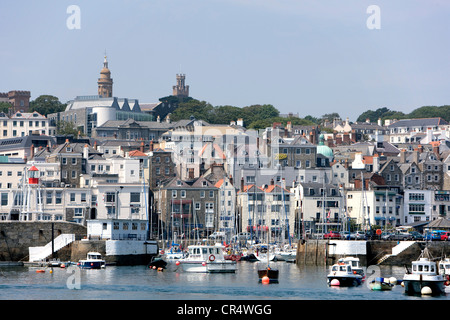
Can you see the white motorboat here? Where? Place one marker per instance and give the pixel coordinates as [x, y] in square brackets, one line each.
[444, 267]
[354, 263]
[173, 253]
[287, 253]
[424, 277]
[261, 253]
[93, 261]
[206, 258]
[342, 274]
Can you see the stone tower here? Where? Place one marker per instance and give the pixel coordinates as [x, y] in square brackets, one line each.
[105, 82]
[181, 90]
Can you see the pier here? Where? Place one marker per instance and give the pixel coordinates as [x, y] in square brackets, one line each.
[373, 252]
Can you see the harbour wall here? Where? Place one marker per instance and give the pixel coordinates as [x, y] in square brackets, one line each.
[117, 252]
[17, 237]
[327, 252]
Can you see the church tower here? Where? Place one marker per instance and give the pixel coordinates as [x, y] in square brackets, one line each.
[181, 90]
[105, 81]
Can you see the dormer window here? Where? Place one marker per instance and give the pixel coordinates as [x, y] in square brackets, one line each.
[68, 149]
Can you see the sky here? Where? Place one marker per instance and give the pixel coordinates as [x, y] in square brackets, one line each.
[310, 57]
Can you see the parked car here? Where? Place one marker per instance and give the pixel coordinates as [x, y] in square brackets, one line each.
[434, 235]
[416, 235]
[444, 236]
[358, 235]
[332, 235]
[400, 236]
[345, 235]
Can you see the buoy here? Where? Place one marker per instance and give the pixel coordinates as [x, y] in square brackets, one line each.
[160, 269]
[51, 271]
[426, 291]
[402, 284]
[393, 280]
[177, 263]
[40, 271]
[154, 267]
[203, 263]
[63, 265]
[335, 282]
[265, 280]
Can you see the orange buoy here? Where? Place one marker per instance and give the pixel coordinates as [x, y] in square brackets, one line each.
[40, 271]
[265, 280]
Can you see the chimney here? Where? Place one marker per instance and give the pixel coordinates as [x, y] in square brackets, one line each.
[86, 151]
[403, 156]
[242, 184]
[420, 148]
[415, 156]
[240, 122]
[47, 148]
[346, 139]
[95, 145]
[142, 147]
[151, 145]
[272, 182]
[32, 151]
[376, 163]
[379, 122]
[231, 179]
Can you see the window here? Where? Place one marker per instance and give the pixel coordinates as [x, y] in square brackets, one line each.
[4, 199]
[74, 160]
[135, 197]
[58, 197]
[174, 193]
[72, 197]
[83, 197]
[110, 197]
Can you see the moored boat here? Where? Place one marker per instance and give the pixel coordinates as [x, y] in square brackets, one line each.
[93, 261]
[206, 258]
[424, 277]
[379, 284]
[341, 274]
[354, 263]
[173, 253]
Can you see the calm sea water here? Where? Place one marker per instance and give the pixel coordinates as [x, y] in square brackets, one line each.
[141, 283]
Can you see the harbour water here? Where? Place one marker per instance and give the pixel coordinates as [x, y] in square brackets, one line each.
[141, 283]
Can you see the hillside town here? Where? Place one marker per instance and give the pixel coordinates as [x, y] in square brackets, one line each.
[132, 166]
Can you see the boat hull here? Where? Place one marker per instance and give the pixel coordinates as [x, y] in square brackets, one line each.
[226, 266]
[380, 286]
[414, 287]
[272, 274]
[92, 264]
[345, 281]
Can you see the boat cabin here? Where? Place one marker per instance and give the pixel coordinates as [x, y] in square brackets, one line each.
[341, 268]
[444, 266]
[424, 266]
[94, 256]
[203, 252]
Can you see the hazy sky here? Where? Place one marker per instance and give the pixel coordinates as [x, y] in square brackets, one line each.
[310, 57]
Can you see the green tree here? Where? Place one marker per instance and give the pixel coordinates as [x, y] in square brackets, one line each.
[66, 128]
[5, 106]
[201, 110]
[47, 104]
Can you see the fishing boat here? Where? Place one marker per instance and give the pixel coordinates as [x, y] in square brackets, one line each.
[206, 258]
[444, 267]
[342, 274]
[93, 261]
[424, 277]
[354, 263]
[379, 284]
[173, 253]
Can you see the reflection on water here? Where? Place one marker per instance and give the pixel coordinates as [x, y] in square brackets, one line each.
[141, 283]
